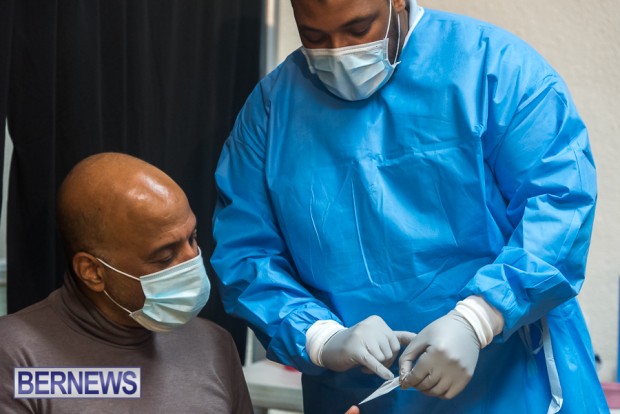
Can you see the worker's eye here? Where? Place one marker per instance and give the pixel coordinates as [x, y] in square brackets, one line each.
[312, 37]
[360, 30]
[312, 40]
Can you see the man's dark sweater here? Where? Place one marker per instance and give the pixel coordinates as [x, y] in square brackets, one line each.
[194, 369]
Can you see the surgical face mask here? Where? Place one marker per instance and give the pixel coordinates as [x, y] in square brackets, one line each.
[173, 296]
[354, 72]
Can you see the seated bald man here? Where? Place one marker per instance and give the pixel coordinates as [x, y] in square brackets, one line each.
[136, 282]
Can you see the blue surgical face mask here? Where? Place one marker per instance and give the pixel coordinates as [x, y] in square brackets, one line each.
[173, 296]
[354, 72]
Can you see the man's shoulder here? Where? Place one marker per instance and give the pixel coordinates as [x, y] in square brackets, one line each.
[31, 325]
[469, 44]
[467, 29]
[199, 329]
[207, 323]
[197, 336]
[203, 327]
[455, 19]
[38, 312]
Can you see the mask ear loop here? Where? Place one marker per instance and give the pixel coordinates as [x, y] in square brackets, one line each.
[122, 273]
[389, 20]
[117, 304]
[118, 271]
[398, 41]
[388, 32]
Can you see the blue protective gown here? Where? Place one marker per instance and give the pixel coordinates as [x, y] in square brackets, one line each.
[469, 173]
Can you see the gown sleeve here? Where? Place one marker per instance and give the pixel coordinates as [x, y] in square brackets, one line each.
[256, 274]
[542, 164]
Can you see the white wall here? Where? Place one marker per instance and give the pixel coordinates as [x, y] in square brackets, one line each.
[580, 39]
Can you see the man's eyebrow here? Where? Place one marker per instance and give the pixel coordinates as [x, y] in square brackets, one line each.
[356, 20]
[153, 255]
[361, 19]
[305, 28]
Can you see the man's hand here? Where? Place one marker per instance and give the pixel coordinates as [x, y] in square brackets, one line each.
[446, 352]
[370, 343]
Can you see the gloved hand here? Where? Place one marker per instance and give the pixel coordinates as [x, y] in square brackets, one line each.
[446, 352]
[370, 343]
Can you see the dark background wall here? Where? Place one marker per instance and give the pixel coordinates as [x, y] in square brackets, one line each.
[159, 79]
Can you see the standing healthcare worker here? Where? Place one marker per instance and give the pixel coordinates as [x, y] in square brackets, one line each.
[412, 171]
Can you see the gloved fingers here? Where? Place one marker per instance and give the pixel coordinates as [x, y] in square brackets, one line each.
[390, 361]
[447, 387]
[418, 374]
[386, 364]
[456, 387]
[413, 351]
[390, 347]
[376, 323]
[441, 385]
[379, 349]
[404, 370]
[404, 337]
[428, 383]
[440, 389]
[376, 367]
[393, 344]
[384, 353]
[451, 393]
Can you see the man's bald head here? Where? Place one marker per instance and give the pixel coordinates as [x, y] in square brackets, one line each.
[108, 194]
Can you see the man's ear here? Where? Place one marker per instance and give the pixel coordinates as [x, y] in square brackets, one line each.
[89, 270]
[399, 5]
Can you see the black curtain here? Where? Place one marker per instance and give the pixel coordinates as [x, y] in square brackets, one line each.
[158, 79]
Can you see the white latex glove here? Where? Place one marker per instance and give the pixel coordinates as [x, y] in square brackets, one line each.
[370, 343]
[445, 354]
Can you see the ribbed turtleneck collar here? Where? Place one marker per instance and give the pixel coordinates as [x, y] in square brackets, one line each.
[82, 316]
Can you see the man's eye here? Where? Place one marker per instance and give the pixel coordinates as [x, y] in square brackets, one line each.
[166, 260]
[360, 31]
[194, 237]
[313, 38]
